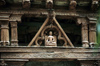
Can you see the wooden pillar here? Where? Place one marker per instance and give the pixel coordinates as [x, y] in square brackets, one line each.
[85, 33]
[14, 34]
[4, 33]
[92, 33]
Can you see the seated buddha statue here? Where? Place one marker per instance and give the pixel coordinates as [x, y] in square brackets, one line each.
[50, 40]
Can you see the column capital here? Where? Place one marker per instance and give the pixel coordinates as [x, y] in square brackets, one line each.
[13, 24]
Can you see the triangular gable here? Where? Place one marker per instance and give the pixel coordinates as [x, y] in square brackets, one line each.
[47, 25]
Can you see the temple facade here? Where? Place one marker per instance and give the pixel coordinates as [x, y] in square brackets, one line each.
[49, 33]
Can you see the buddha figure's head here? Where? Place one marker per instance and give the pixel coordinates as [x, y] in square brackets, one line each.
[50, 33]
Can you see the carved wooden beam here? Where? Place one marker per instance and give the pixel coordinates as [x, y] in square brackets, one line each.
[49, 53]
[14, 34]
[95, 4]
[49, 4]
[2, 2]
[72, 5]
[26, 4]
[4, 21]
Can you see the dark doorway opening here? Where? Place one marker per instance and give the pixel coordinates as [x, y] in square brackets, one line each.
[53, 63]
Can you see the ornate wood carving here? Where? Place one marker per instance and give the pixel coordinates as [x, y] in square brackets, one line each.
[26, 4]
[85, 32]
[49, 4]
[95, 4]
[50, 53]
[72, 5]
[92, 31]
[14, 34]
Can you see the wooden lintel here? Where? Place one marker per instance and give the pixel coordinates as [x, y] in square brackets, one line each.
[42, 53]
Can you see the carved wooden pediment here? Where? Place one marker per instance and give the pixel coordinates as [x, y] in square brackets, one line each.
[58, 32]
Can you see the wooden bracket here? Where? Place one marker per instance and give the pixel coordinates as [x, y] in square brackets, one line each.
[26, 4]
[95, 4]
[49, 4]
[72, 5]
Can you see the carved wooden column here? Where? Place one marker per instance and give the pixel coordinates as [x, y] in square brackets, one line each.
[85, 33]
[92, 31]
[14, 19]
[4, 33]
[14, 34]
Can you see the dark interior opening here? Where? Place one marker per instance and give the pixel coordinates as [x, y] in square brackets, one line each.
[53, 63]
